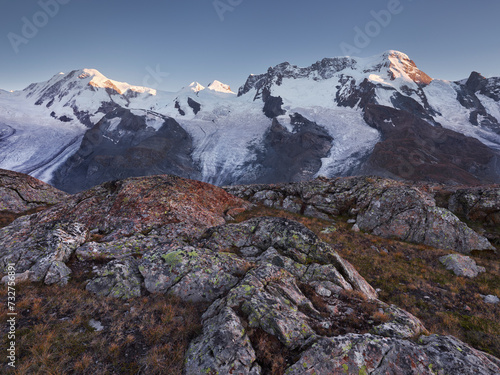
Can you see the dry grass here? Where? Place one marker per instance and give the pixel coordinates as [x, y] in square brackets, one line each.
[272, 355]
[148, 334]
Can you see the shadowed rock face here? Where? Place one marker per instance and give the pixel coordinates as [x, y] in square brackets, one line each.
[480, 205]
[131, 148]
[292, 156]
[413, 149]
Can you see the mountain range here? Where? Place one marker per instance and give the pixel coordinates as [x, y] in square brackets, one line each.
[338, 117]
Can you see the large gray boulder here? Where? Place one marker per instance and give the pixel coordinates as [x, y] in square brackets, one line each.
[298, 249]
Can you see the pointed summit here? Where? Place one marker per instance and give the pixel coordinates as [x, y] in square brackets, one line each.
[220, 87]
[476, 81]
[98, 80]
[402, 65]
[196, 87]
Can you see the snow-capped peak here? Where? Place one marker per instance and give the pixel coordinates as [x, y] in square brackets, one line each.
[403, 66]
[99, 80]
[196, 87]
[220, 87]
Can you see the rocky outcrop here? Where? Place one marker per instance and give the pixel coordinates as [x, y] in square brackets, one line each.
[368, 354]
[478, 205]
[266, 277]
[383, 207]
[481, 204]
[21, 194]
[169, 208]
[292, 247]
[304, 309]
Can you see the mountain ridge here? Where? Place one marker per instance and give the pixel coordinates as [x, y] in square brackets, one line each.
[234, 138]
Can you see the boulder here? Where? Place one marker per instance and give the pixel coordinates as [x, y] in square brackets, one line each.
[43, 251]
[461, 265]
[481, 204]
[193, 274]
[119, 278]
[491, 299]
[223, 348]
[297, 249]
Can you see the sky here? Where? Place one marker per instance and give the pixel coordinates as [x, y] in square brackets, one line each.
[169, 44]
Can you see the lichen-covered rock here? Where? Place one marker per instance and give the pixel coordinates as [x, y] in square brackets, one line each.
[382, 207]
[170, 207]
[119, 278]
[461, 265]
[20, 193]
[266, 276]
[293, 241]
[223, 347]
[136, 245]
[369, 354]
[44, 251]
[193, 274]
[402, 324]
[58, 273]
[271, 300]
[414, 222]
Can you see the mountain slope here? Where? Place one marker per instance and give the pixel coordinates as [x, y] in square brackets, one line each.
[378, 115]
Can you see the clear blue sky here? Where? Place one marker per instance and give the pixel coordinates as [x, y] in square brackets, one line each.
[189, 41]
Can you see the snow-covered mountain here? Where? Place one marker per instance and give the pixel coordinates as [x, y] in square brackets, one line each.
[339, 116]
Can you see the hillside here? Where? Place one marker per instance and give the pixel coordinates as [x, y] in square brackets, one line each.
[162, 274]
